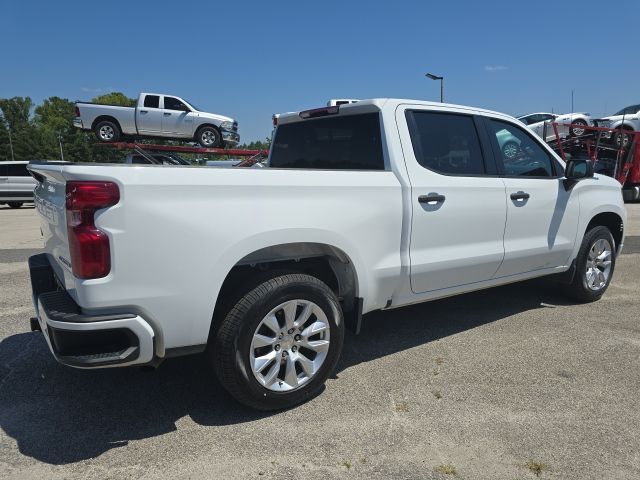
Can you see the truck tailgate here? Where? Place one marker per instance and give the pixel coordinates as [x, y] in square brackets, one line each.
[49, 199]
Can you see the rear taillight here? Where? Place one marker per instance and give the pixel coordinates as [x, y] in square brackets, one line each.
[320, 112]
[77, 111]
[88, 245]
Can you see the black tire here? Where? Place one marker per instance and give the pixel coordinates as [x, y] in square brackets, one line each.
[580, 122]
[14, 204]
[107, 131]
[231, 347]
[579, 289]
[209, 137]
[510, 149]
[621, 138]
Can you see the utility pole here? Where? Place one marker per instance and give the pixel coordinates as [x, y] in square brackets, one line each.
[4, 120]
[60, 142]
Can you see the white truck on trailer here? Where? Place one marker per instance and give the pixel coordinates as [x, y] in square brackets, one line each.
[373, 205]
[157, 116]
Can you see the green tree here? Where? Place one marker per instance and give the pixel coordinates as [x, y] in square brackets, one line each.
[115, 98]
[16, 112]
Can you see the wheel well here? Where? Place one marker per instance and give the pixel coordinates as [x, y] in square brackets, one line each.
[610, 220]
[208, 125]
[103, 118]
[324, 262]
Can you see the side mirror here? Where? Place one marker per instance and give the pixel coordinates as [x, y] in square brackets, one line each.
[576, 170]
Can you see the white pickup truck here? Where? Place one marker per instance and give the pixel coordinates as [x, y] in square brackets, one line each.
[157, 116]
[373, 205]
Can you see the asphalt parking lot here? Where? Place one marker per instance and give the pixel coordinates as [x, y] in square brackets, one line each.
[508, 383]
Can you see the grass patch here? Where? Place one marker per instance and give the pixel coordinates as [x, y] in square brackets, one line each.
[437, 394]
[439, 361]
[401, 406]
[446, 469]
[346, 464]
[537, 467]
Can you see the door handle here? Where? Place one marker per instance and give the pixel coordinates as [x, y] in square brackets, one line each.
[166, 114]
[519, 196]
[144, 111]
[431, 198]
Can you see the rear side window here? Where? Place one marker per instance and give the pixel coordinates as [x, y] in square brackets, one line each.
[446, 142]
[139, 160]
[152, 101]
[333, 143]
[17, 170]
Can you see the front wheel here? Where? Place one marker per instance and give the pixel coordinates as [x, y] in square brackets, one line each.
[595, 263]
[209, 137]
[279, 343]
[621, 139]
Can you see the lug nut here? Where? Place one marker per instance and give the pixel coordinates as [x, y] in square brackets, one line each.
[276, 348]
[297, 338]
[290, 331]
[280, 336]
[294, 348]
[284, 353]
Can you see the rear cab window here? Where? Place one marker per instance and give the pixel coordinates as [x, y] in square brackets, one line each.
[17, 170]
[348, 142]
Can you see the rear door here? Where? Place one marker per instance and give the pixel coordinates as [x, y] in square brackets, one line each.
[149, 115]
[542, 216]
[177, 118]
[458, 201]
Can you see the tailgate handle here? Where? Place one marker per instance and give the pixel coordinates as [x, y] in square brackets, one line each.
[431, 198]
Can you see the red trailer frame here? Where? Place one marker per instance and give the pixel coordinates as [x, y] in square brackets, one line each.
[590, 145]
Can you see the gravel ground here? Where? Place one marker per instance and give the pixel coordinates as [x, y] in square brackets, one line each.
[499, 384]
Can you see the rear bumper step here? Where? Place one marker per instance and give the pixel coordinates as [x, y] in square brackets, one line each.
[85, 340]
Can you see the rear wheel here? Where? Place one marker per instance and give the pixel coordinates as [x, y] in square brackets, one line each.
[107, 131]
[594, 265]
[14, 204]
[279, 343]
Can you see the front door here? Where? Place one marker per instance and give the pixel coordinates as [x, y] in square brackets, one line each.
[177, 118]
[458, 207]
[542, 216]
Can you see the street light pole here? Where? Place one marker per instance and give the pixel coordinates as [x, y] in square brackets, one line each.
[441, 78]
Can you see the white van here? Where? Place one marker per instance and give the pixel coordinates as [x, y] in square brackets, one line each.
[16, 185]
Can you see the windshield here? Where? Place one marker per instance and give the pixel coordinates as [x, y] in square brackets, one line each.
[628, 110]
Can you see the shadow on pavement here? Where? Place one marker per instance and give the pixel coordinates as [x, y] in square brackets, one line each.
[61, 415]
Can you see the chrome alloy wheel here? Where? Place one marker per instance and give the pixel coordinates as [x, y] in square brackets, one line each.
[106, 132]
[599, 264]
[510, 150]
[208, 137]
[290, 345]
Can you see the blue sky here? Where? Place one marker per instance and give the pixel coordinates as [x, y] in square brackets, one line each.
[250, 59]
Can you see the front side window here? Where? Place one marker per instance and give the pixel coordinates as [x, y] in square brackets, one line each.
[152, 101]
[350, 142]
[171, 103]
[520, 155]
[446, 143]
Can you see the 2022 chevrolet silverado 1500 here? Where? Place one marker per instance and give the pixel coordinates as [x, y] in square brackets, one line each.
[157, 115]
[373, 205]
